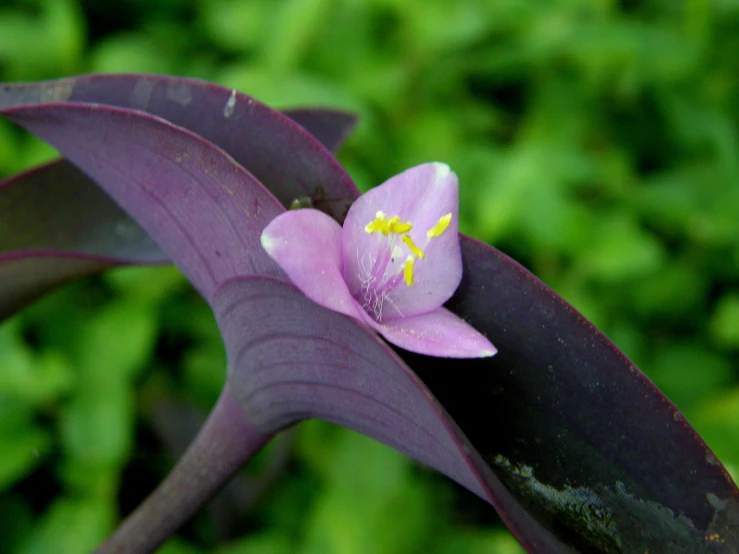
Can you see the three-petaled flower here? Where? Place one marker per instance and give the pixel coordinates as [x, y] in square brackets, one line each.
[392, 266]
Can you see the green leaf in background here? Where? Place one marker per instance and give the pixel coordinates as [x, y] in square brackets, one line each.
[370, 504]
[717, 417]
[36, 379]
[45, 37]
[96, 435]
[106, 362]
[686, 373]
[725, 321]
[274, 543]
[16, 520]
[492, 542]
[620, 251]
[71, 526]
[22, 448]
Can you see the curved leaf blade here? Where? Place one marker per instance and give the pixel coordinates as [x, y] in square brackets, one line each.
[573, 428]
[202, 208]
[58, 225]
[330, 127]
[276, 150]
[57, 207]
[290, 360]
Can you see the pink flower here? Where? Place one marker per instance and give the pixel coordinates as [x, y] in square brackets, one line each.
[392, 266]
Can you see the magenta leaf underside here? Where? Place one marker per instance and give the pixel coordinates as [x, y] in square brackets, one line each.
[572, 444]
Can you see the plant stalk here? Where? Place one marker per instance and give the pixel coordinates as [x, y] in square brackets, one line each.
[225, 443]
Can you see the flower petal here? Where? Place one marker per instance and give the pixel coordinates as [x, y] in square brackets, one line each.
[306, 244]
[438, 333]
[421, 195]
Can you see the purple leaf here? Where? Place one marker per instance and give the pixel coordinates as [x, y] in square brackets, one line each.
[277, 151]
[330, 127]
[290, 360]
[205, 210]
[573, 428]
[588, 446]
[57, 226]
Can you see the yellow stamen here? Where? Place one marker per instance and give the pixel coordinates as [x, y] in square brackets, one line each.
[397, 226]
[415, 250]
[408, 270]
[377, 225]
[440, 227]
[387, 226]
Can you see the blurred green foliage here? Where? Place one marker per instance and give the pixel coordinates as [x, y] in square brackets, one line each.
[595, 141]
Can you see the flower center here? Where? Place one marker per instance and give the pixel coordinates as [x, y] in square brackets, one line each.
[382, 272]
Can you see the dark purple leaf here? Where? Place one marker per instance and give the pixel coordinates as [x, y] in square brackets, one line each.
[573, 428]
[204, 210]
[290, 359]
[577, 434]
[279, 153]
[330, 127]
[57, 226]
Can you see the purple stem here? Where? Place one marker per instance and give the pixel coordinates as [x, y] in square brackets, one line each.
[225, 443]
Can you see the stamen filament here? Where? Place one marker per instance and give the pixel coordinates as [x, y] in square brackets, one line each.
[389, 285]
[384, 256]
[376, 286]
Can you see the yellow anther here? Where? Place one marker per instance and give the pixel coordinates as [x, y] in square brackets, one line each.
[440, 227]
[377, 225]
[397, 226]
[415, 250]
[410, 261]
[387, 226]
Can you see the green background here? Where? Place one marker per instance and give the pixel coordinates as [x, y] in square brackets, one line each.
[595, 141]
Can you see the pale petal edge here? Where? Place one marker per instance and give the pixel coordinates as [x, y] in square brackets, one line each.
[439, 333]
